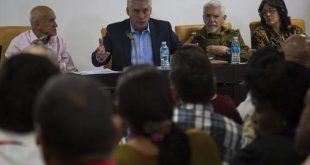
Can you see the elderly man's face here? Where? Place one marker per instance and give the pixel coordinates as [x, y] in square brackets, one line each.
[213, 19]
[139, 14]
[47, 24]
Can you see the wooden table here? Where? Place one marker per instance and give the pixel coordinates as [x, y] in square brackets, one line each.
[230, 80]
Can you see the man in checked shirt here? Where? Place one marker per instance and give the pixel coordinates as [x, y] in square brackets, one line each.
[192, 84]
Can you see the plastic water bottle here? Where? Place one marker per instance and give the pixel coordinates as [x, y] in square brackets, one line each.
[164, 55]
[235, 51]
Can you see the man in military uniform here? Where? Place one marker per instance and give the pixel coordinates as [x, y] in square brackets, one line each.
[214, 37]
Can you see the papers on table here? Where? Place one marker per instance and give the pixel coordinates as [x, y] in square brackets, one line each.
[96, 71]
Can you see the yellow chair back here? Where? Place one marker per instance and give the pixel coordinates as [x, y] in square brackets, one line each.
[7, 33]
[202, 142]
[184, 31]
[103, 33]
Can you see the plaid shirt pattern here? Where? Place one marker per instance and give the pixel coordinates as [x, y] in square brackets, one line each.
[225, 132]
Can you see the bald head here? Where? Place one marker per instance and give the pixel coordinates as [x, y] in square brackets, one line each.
[43, 20]
[42, 51]
[297, 48]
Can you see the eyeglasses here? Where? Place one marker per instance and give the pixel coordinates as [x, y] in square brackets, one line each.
[270, 11]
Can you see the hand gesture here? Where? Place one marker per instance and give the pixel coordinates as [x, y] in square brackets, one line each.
[101, 52]
[189, 41]
[217, 49]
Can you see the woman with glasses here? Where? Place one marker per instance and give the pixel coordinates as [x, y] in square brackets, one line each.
[275, 26]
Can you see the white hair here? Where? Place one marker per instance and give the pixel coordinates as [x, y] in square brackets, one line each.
[129, 3]
[214, 3]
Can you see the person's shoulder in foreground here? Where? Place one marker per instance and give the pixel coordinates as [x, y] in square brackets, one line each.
[225, 105]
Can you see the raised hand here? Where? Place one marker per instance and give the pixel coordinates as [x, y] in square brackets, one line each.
[101, 52]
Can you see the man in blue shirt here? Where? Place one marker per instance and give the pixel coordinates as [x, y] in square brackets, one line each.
[135, 40]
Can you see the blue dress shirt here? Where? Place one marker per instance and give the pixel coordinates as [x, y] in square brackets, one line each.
[144, 46]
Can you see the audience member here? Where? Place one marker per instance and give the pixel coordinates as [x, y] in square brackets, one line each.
[277, 96]
[135, 40]
[225, 105]
[297, 48]
[42, 51]
[303, 133]
[43, 24]
[258, 62]
[275, 25]
[144, 101]
[214, 37]
[246, 107]
[193, 86]
[21, 78]
[73, 119]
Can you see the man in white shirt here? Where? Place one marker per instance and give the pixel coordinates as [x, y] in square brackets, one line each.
[43, 32]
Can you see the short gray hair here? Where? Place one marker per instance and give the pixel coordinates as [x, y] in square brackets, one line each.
[33, 17]
[36, 14]
[214, 3]
[129, 2]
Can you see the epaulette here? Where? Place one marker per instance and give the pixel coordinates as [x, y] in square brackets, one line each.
[226, 31]
[232, 30]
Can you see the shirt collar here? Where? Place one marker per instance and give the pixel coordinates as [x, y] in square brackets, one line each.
[132, 30]
[207, 106]
[205, 32]
[34, 37]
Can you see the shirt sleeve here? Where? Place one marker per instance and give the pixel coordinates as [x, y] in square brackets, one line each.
[66, 58]
[99, 59]
[12, 49]
[259, 39]
[244, 53]
[174, 39]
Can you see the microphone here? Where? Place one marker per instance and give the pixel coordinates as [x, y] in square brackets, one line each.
[45, 38]
[131, 37]
[42, 40]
